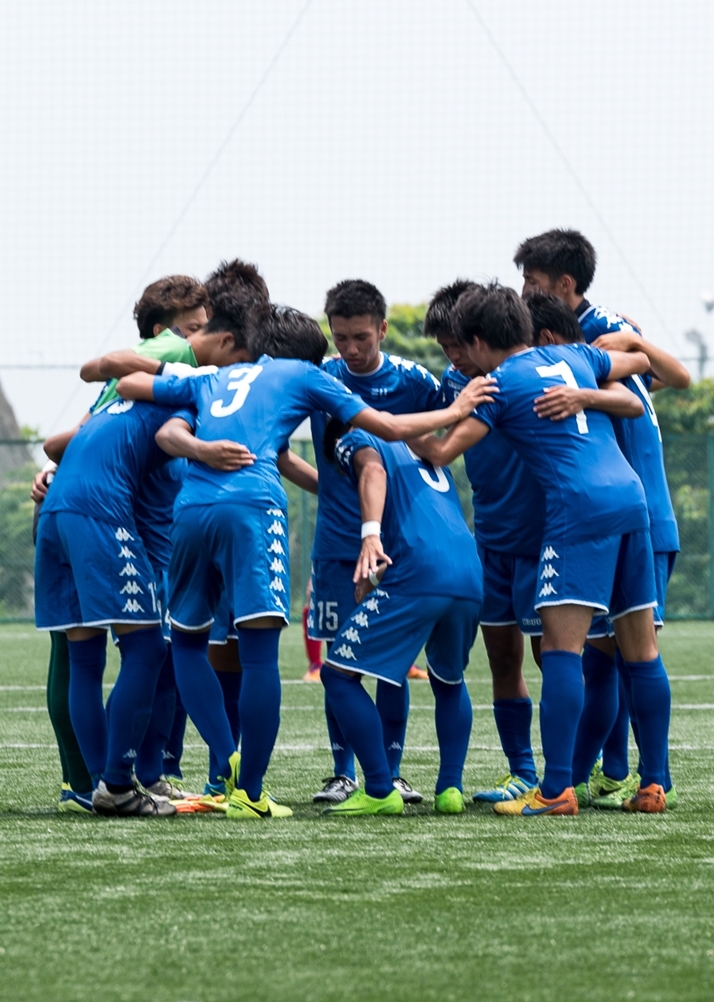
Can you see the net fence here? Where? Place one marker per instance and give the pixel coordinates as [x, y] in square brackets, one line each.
[689, 460]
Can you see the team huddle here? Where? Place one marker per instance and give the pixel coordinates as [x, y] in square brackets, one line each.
[163, 517]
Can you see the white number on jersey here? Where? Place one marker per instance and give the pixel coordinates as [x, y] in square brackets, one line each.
[441, 484]
[241, 384]
[647, 401]
[563, 370]
[327, 616]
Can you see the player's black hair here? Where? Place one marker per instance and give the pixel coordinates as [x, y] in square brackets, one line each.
[355, 298]
[559, 252]
[162, 301]
[495, 314]
[334, 430]
[237, 276]
[552, 313]
[288, 333]
[236, 313]
[438, 316]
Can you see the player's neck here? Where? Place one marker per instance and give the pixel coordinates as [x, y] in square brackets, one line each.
[497, 357]
[372, 369]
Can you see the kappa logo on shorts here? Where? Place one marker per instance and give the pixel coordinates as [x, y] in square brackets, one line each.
[277, 585]
[276, 529]
[132, 606]
[129, 571]
[549, 572]
[372, 604]
[275, 511]
[122, 535]
[277, 566]
[126, 553]
[361, 619]
[353, 635]
[549, 554]
[132, 588]
[276, 547]
[278, 602]
[346, 652]
[547, 590]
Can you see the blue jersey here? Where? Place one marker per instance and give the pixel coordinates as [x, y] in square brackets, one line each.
[260, 405]
[423, 527]
[398, 386]
[106, 461]
[639, 438]
[154, 510]
[509, 504]
[590, 488]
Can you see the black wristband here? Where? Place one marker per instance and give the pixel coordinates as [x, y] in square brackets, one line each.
[160, 369]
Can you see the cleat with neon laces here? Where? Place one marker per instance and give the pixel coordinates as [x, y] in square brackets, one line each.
[133, 803]
[449, 801]
[416, 672]
[407, 792]
[335, 790]
[230, 782]
[164, 789]
[647, 800]
[612, 793]
[533, 804]
[313, 673]
[596, 775]
[242, 808]
[671, 798]
[582, 793]
[359, 804]
[508, 787]
[74, 803]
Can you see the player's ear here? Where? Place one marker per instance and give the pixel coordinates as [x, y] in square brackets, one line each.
[545, 337]
[383, 330]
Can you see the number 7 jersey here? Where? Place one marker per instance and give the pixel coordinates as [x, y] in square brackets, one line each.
[590, 488]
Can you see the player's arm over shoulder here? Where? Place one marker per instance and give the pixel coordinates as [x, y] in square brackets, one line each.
[459, 438]
[664, 368]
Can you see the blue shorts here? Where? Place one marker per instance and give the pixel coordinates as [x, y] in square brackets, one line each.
[508, 588]
[239, 550]
[386, 631]
[332, 598]
[222, 629]
[91, 573]
[633, 583]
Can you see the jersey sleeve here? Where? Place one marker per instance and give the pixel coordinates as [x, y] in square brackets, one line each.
[325, 393]
[178, 391]
[491, 414]
[428, 395]
[600, 362]
[348, 446]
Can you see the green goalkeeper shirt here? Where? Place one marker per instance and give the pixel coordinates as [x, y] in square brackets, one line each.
[166, 347]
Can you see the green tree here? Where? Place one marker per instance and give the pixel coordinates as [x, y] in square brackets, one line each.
[683, 412]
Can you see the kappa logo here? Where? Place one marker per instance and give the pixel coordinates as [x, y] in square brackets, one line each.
[120, 407]
[310, 621]
[547, 590]
[549, 572]
[277, 566]
[132, 753]
[276, 529]
[126, 553]
[279, 603]
[361, 619]
[353, 635]
[276, 547]
[372, 604]
[277, 585]
[129, 571]
[275, 511]
[122, 535]
[132, 606]
[132, 588]
[346, 652]
[549, 554]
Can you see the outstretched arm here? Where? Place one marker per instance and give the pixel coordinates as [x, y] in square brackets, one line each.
[177, 439]
[117, 364]
[137, 386]
[665, 368]
[442, 451]
[560, 402]
[297, 471]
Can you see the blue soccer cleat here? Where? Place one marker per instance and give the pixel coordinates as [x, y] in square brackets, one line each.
[508, 787]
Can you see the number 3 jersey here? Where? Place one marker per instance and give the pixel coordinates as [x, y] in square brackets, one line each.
[259, 405]
[590, 488]
[423, 527]
[639, 438]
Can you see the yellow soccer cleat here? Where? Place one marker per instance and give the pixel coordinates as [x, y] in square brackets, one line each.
[533, 803]
[242, 808]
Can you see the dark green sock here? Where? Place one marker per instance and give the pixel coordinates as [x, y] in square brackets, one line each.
[74, 771]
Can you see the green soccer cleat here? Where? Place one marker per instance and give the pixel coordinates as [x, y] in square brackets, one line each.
[76, 803]
[671, 798]
[614, 792]
[582, 792]
[449, 801]
[360, 803]
[230, 782]
[596, 775]
[242, 808]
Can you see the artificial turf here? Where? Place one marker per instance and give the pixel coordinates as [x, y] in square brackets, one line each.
[418, 907]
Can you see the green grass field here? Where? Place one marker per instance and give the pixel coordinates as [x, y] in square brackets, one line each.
[474, 907]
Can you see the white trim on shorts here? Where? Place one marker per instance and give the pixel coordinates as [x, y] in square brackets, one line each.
[191, 629]
[101, 624]
[371, 674]
[259, 615]
[571, 601]
[444, 680]
[635, 608]
[508, 622]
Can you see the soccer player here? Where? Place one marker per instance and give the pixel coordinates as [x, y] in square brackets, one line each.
[356, 311]
[418, 583]
[580, 467]
[563, 262]
[230, 531]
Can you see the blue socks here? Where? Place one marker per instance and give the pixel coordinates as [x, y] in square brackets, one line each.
[87, 659]
[230, 684]
[615, 751]
[453, 716]
[342, 754]
[259, 705]
[202, 695]
[149, 763]
[600, 706]
[393, 710]
[650, 700]
[142, 657]
[513, 722]
[360, 723]
[561, 704]
[173, 752]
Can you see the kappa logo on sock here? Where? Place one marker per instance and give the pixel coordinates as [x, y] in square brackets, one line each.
[336, 747]
[353, 635]
[549, 572]
[276, 529]
[546, 590]
[132, 588]
[132, 606]
[126, 553]
[346, 652]
[277, 566]
[122, 535]
[549, 554]
[132, 753]
[361, 619]
[276, 547]
[395, 746]
[129, 571]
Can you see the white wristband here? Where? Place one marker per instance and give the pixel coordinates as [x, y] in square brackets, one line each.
[371, 529]
[373, 579]
[49, 467]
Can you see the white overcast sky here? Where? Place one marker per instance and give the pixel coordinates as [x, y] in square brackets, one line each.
[403, 141]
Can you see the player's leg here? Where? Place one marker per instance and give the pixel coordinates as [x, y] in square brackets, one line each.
[150, 761]
[76, 795]
[225, 661]
[393, 708]
[600, 706]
